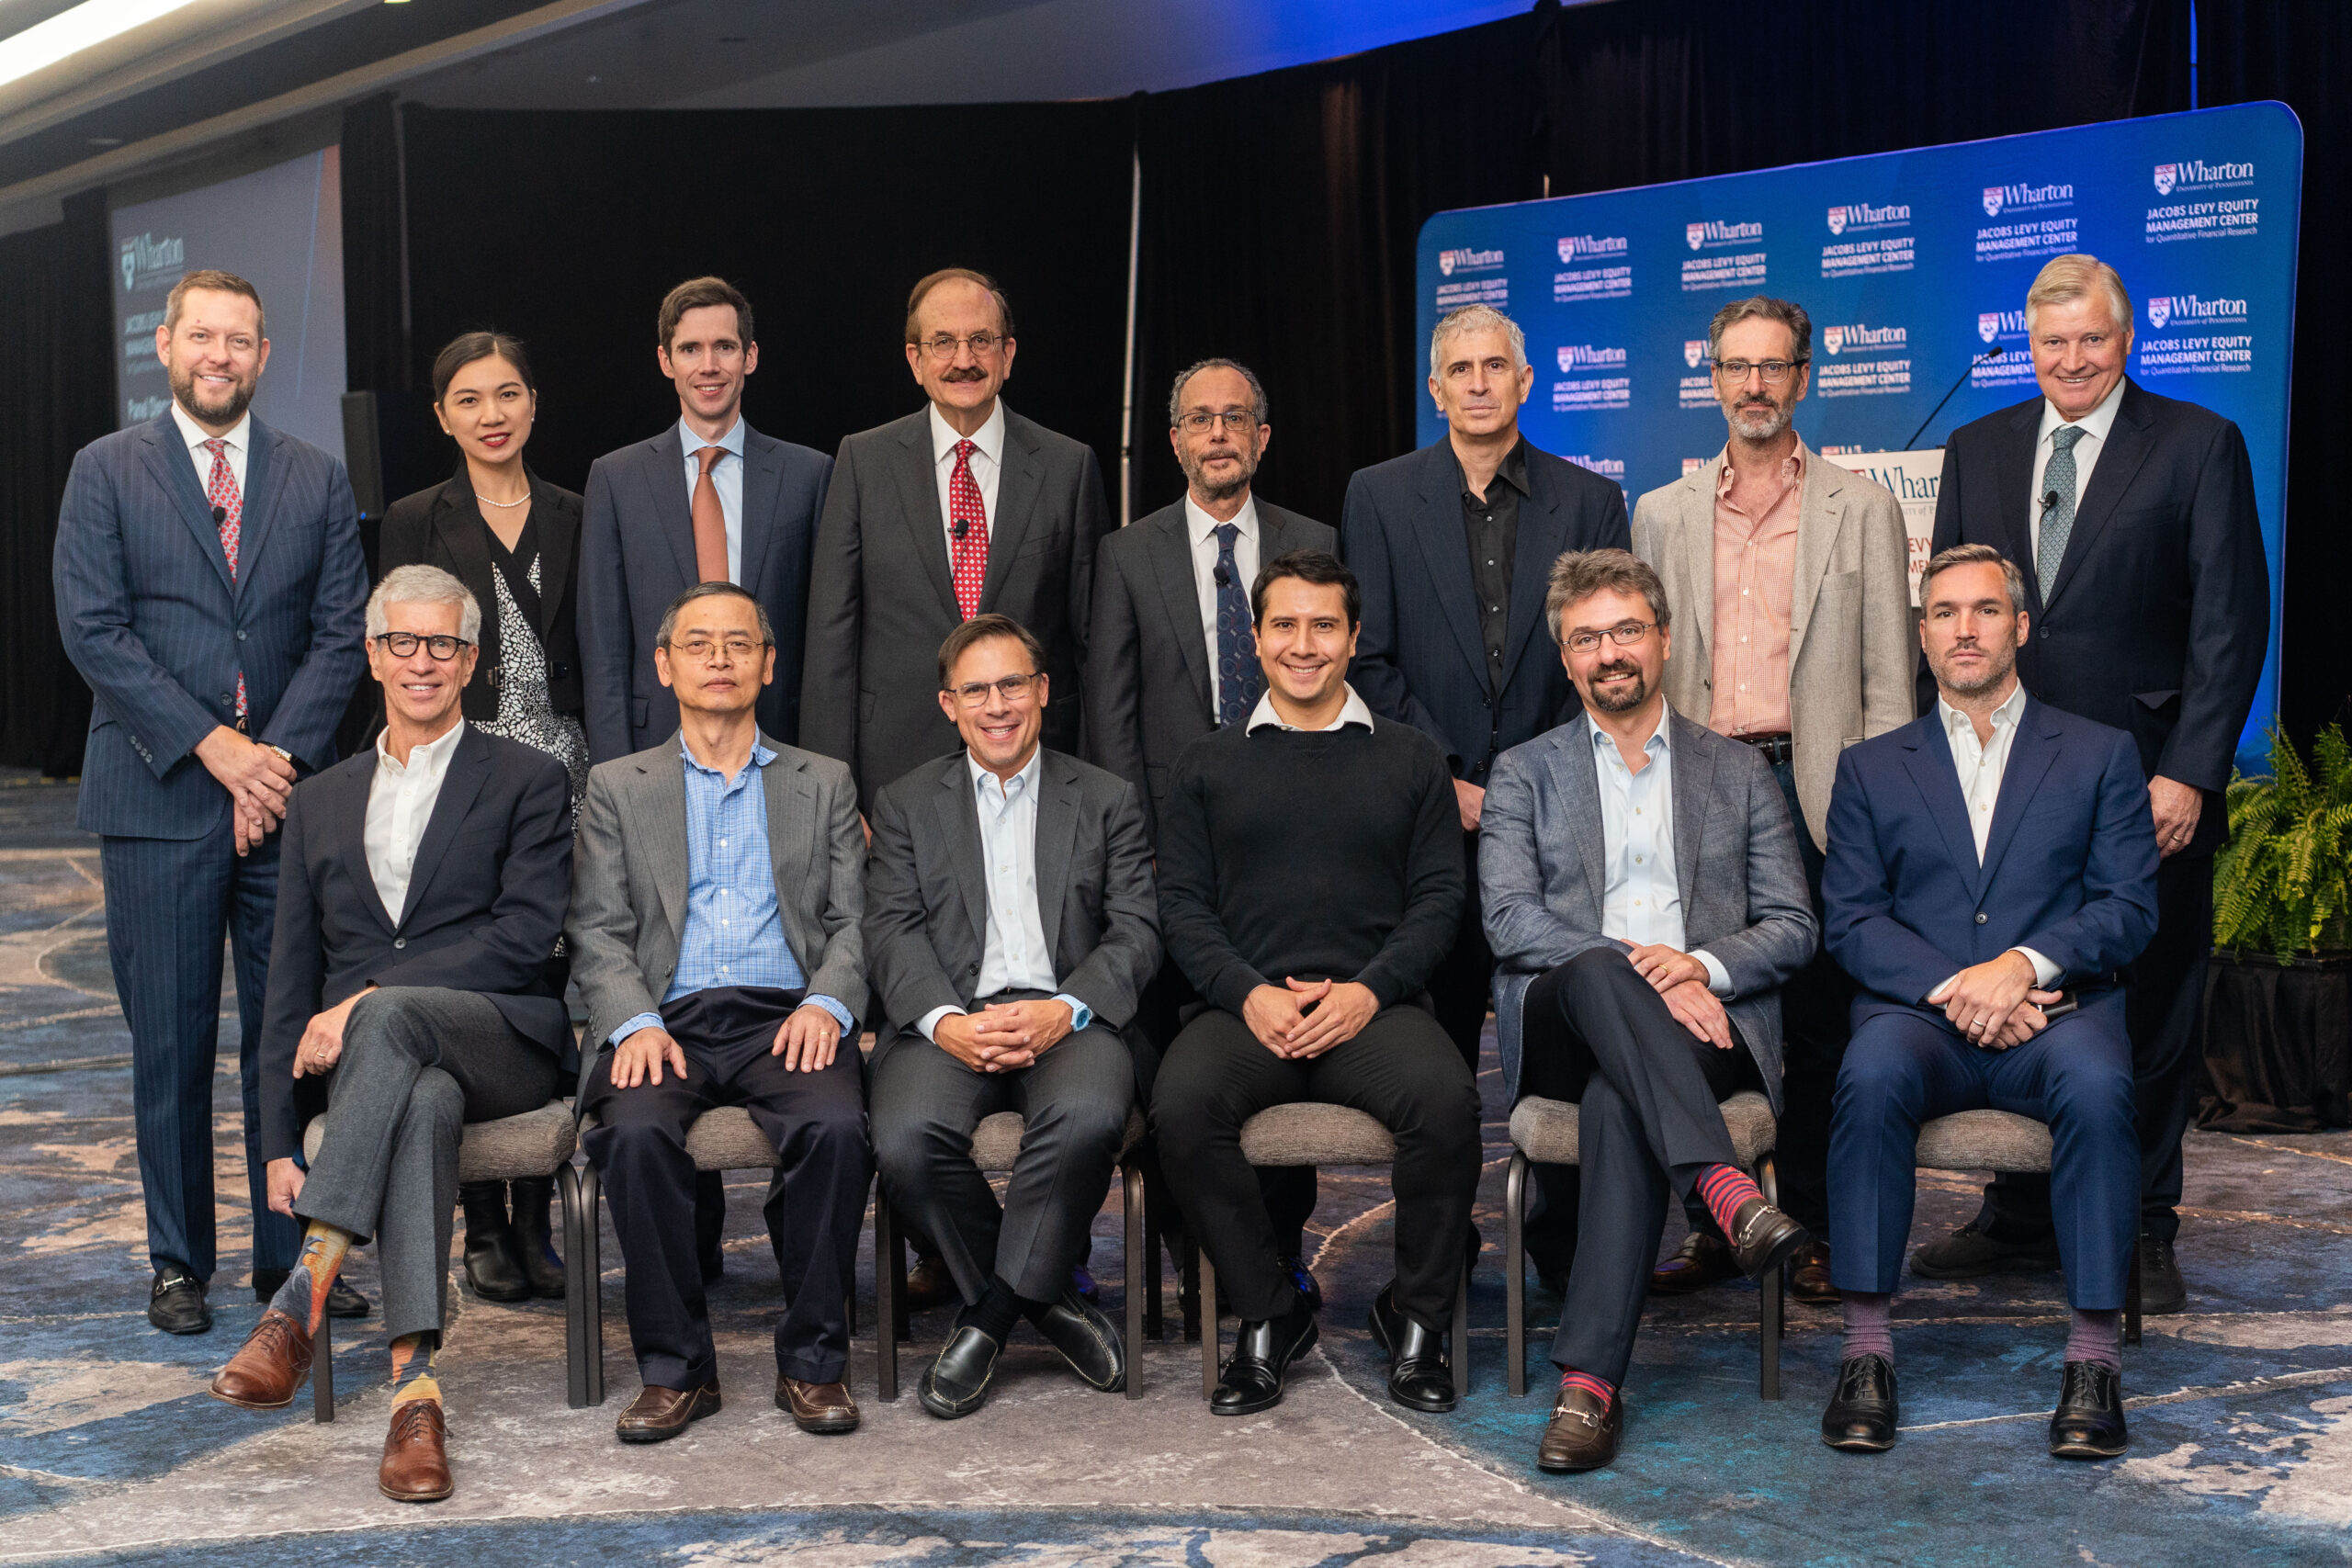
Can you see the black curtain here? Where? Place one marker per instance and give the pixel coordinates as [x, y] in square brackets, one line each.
[375, 346]
[567, 230]
[57, 383]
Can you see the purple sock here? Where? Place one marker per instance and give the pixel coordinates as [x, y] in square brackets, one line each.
[1869, 1331]
[2092, 1336]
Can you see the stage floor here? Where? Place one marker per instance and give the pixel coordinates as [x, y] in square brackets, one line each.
[111, 1452]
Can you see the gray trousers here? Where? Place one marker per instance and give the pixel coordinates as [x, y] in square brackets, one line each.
[418, 1062]
[1075, 1102]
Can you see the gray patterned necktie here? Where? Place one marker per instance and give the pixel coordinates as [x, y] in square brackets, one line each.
[2058, 521]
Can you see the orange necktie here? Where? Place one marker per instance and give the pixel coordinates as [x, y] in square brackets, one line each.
[710, 520]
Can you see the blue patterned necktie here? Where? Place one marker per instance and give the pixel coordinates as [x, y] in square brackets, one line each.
[2058, 521]
[1239, 681]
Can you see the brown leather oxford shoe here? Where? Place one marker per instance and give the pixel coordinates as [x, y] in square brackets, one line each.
[824, 1408]
[657, 1415]
[415, 1467]
[267, 1371]
[1583, 1435]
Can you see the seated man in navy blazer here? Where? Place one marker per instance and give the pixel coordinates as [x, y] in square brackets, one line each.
[1991, 867]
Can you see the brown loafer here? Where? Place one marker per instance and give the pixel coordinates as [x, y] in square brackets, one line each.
[1809, 1277]
[1583, 1434]
[820, 1407]
[1762, 1237]
[928, 1284]
[416, 1459]
[1699, 1262]
[269, 1368]
[657, 1415]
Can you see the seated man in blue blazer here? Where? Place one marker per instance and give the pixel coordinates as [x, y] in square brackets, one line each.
[1991, 867]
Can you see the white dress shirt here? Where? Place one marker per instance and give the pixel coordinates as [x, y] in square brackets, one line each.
[1642, 902]
[1014, 955]
[2095, 426]
[399, 804]
[196, 435]
[1352, 711]
[727, 477]
[1980, 765]
[988, 462]
[1200, 530]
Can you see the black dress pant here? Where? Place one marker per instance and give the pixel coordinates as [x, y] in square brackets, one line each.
[1599, 1034]
[817, 1123]
[1462, 986]
[1401, 1070]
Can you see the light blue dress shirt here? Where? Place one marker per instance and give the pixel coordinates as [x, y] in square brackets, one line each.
[1643, 902]
[727, 477]
[734, 935]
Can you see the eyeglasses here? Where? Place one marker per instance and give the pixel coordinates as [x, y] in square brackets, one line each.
[944, 346]
[702, 650]
[1234, 420]
[1624, 634]
[1774, 372]
[1012, 688]
[402, 645]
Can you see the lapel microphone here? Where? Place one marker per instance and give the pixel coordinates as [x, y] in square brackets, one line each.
[2049, 499]
[1223, 578]
[220, 515]
[963, 526]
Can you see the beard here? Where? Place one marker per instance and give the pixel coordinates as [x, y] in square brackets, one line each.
[1621, 700]
[229, 410]
[1758, 421]
[1218, 490]
[1998, 663]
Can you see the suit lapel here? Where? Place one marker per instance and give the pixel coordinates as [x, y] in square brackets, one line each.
[1693, 559]
[2128, 446]
[167, 459]
[1572, 771]
[1821, 512]
[660, 809]
[348, 815]
[664, 474]
[462, 538]
[763, 480]
[919, 506]
[1020, 480]
[959, 819]
[1170, 555]
[1543, 535]
[559, 545]
[1926, 753]
[2031, 753]
[1695, 787]
[1445, 553]
[2014, 488]
[791, 800]
[265, 484]
[1057, 834]
[461, 787]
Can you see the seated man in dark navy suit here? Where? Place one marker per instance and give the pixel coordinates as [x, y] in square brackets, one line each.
[1991, 867]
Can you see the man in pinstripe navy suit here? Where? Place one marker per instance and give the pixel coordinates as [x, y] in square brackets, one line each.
[209, 587]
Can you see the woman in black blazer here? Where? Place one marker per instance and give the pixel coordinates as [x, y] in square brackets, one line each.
[514, 540]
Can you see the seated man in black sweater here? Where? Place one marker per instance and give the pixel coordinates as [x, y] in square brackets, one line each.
[1310, 879]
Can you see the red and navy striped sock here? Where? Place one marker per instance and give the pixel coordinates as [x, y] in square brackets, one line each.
[1723, 1189]
[1599, 1388]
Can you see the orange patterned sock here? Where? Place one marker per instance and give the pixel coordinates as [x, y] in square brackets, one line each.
[303, 1297]
[412, 1358]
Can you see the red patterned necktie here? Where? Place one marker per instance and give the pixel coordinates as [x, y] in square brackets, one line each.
[229, 510]
[968, 520]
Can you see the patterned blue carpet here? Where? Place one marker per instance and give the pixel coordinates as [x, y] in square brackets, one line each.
[110, 1452]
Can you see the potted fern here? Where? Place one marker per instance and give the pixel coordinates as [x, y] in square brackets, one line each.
[2278, 997]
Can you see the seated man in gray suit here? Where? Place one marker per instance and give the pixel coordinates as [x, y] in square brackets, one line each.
[715, 927]
[1644, 902]
[1013, 921]
[420, 892]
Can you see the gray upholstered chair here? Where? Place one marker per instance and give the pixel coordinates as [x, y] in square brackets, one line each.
[537, 1143]
[1544, 1131]
[2003, 1141]
[1311, 1132]
[995, 1143]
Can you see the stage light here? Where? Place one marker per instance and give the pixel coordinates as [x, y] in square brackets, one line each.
[70, 32]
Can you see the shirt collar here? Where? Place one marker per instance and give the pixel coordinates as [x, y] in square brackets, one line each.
[2095, 424]
[1792, 468]
[2005, 716]
[196, 435]
[1659, 744]
[1352, 711]
[427, 754]
[1026, 778]
[762, 754]
[1200, 525]
[1513, 471]
[988, 438]
[690, 443]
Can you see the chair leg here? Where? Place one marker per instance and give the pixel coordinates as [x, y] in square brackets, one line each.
[576, 1286]
[1462, 1327]
[592, 1304]
[1209, 1326]
[2131, 1299]
[1769, 1301]
[888, 1287]
[1154, 1323]
[1188, 1288]
[1143, 1257]
[323, 1372]
[1515, 1276]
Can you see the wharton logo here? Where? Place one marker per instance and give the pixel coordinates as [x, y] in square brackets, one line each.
[1836, 339]
[1608, 468]
[1466, 260]
[1694, 351]
[146, 259]
[2195, 173]
[1584, 356]
[1862, 215]
[1586, 247]
[1712, 232]
[1992, 324]
[2167, 174]
[1998, 198]
[2188, 308]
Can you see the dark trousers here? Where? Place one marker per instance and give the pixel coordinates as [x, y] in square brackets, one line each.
[1401, 1070]
[2164, 1004]
[418, 1064]
[817, 1123]
[170, 903]
[1817, 1003]
[1462, 986]
[1908, 1066]
[1074, 1101]
[1599, 1034]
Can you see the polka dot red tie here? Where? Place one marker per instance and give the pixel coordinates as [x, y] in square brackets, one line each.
[229, 511]
[967, 519]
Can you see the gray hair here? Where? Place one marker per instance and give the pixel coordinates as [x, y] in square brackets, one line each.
[711, 591]
[424, 585]
[1763, 307]
[1176, 392]
[2064, 280]
[1476, 319]
[1579, 574]
[1975, 555]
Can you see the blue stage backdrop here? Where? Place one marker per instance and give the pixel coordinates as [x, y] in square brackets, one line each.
[1914, 267]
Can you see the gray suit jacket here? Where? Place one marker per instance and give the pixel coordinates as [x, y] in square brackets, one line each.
[1147, 653]
[1541, 871]
[1850, 637]
[628, 881]
[927, 892]
[882, 599]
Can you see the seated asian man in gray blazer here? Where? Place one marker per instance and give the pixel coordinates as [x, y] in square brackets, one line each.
[1011, 922]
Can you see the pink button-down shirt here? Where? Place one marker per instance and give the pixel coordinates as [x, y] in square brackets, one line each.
[1756, 568]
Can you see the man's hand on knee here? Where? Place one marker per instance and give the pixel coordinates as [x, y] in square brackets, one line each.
[285, 1178]
[643, 1055]
[1664, 967]
[807, 1041]
[1978, 1001]
[1701, 1012]
[2026, 1021]
[321, 1046]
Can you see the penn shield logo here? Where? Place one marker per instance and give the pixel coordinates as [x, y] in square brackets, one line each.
[1467, 260]
[1833, 338]
[2167, 175]
[1696, 233]
[1993, 194]
[1988, 324]
[1587, 247]
[2159, 311]
[1694, 350]
[1837, 220]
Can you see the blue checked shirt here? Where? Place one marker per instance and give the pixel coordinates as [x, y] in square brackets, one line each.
[734, 935]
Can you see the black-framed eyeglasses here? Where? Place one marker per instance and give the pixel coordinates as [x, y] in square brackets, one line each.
[943, 346]
[702, 649]
[402, 645]
[1238, 421]
[1624, 634]
[1012, 688]
[1774, 372]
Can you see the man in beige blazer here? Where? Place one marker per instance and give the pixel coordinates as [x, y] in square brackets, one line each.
[1787, 580]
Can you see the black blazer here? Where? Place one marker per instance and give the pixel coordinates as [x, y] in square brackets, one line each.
[485, 904]
[1147, 653]
[1421, 658]
[443, 527]
[2162, 612]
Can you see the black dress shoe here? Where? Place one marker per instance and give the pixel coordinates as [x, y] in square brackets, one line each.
[1304, 1279]
[1252, 1380]
[2162, 1289]
[1582, 1434]
[1971, 1253]
[177, 1304]
[494, 1268]
[344, 1302]
[1420, 1377]
[928, 1284]
[1701, 1260]
[1762, 1237]
[1809, 1280]
[1087, 1339]
[2089, 1422]
[957, 1382]
[534, 1237]
[1864, 1411]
